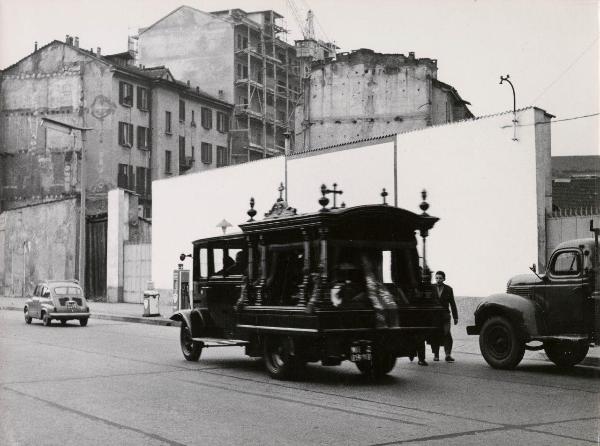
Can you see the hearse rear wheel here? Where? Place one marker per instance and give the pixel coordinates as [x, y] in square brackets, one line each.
[191, 349]
[566, 354]
[382, 364]
[500, 344]
[280, 359]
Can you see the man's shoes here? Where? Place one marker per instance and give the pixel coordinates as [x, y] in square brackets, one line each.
[436, 358]
[449, 358]
[423, 362]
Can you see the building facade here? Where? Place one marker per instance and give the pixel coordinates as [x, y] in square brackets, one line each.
[239, 57]
[363, 94]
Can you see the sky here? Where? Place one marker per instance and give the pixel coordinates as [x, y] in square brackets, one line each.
[550, 48]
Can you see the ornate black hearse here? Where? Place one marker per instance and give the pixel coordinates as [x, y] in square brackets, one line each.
[558, 311]
[334, 285]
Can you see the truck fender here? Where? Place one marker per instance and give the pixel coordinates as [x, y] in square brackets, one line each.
[192, 318]
[522, 312]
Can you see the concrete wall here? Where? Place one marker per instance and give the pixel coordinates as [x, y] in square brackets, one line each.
[195, 46]
[49, 233]
[481, 183]
[560, 228]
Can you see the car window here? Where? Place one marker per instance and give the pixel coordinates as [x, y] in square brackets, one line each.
[67, 290]
[36, 291]
[45, 291]
[566, 264]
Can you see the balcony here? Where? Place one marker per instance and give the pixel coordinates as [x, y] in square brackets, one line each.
[244, 81]
[187, 164]
[244, 109]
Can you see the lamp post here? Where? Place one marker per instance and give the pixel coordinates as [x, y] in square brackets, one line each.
[506, 79]
[67, 128]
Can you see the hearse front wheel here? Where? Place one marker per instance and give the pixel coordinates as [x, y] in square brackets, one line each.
[500, 344]
[191, 350]
[381, 365]
[280, 359]
[566, 354]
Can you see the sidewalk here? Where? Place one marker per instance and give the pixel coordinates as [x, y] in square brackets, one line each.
[111, 311]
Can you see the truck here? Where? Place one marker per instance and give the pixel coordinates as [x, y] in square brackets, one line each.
[557, 311]
[339, 284]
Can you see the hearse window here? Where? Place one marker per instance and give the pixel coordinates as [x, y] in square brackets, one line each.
[228, 262]
[386, 266]
[203, 263]
[566, 264]
[285, 273]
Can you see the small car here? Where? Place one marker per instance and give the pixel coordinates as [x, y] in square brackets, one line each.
[61, 300]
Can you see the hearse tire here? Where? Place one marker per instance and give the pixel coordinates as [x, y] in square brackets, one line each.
[27, 317]
[500, 344]
[83, 321]
[566, 354]
[191, 350]
[46, 320]
[280, 362]
[381, 365]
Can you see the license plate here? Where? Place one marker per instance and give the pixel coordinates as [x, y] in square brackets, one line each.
[360, 353]
[71, 306]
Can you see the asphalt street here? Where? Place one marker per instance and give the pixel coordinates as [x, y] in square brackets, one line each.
[121, 383]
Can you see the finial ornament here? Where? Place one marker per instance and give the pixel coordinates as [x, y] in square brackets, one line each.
[323, 201]
[384, 194]
[280, 208]
[281, 188]
[251, 212]
[424, 205]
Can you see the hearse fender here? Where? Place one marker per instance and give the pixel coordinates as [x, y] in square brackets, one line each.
[522, 312]
[192, 318]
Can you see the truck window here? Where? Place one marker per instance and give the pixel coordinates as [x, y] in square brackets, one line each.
[566, 264]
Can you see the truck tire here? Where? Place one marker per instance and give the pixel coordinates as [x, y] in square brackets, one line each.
[191, 349]
[500, 344]
[280, 359]
[382, 364]
[566, 354]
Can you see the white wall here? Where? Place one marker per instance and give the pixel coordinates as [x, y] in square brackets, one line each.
[481, 183]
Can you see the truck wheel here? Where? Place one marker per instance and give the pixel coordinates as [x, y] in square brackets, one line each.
[27, 317]
[191, 349]
[381, 365]
[280, 360]
[500, 344]
[566, 354]
[46, 320]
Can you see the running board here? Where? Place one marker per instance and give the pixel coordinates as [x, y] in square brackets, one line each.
[218, 342]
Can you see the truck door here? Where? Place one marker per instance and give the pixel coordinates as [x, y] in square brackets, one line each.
[564, 293]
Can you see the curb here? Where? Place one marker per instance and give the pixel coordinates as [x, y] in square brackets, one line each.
[113, 317]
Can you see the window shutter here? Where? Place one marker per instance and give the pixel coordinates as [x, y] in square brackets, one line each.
[139, 98]
[121, 133]
[121, 95]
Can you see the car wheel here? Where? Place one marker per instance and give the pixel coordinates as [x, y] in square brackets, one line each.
[500, 344]
[566, 354]
[381, 364]
[280, 359]
[46, 320]
[191, 349]
[63, 322]
[83, 321]
[27, 317]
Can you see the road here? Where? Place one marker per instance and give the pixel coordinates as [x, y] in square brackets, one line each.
[127, 384]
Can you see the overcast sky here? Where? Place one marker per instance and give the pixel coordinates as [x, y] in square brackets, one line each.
[549, 47]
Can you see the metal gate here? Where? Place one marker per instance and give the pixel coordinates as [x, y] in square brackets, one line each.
[95, 256]
[136, 271]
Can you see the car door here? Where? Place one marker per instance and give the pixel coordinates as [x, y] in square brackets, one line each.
[44, 298]
[564, 293]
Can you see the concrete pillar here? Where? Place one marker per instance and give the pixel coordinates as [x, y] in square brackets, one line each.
[117, 234]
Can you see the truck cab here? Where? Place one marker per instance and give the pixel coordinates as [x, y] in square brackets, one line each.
[556, 311]
[334, 285]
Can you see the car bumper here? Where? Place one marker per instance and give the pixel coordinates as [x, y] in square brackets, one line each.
[66, 316]
[472, 330]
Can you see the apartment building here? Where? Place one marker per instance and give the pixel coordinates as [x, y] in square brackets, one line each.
[239, 57]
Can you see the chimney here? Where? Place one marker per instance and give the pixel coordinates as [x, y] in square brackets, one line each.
[411, 54]
[188, 83]
[221, 94]
[98, 51]
[35, 46]
[76, 42]
[197, 89]
[67, 38]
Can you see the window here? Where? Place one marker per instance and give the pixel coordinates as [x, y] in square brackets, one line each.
[222, 122]
[167, 161]
[143, 138]
[206, 116]
[141, 177]
[125, 94]
[168, 122]
[122, 176]
[242, 71]
[131, 178]
[221, 156]
[182, 150]
[206, 153]
[181, 110]
[193, 153]
[242, 42]
[125, 134]
[142, 98]
[269, 99]
[243, 100]
[193, 123]
[566, 264]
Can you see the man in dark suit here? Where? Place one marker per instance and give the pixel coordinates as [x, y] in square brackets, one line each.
[445, 295]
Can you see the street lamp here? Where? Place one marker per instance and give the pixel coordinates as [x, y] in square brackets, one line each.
[507, 79]
[64, 127]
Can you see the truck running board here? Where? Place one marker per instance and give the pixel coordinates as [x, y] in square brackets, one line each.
[218, 342]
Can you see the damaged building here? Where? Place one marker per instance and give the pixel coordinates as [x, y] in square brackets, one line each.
[363, 94]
